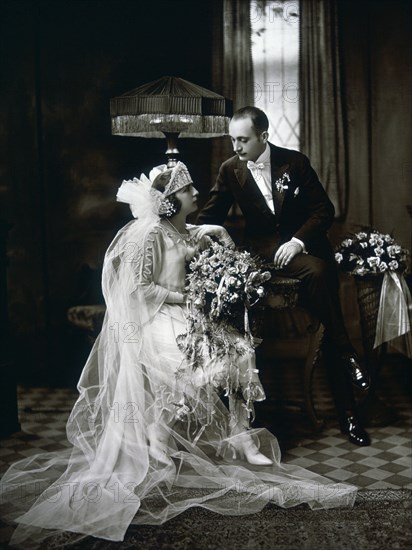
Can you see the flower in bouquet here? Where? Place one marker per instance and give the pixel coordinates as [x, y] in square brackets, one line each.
[223, 282]
[222, 285]
[370, 252]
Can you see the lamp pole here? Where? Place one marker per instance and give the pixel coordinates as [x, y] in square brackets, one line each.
[172, 151]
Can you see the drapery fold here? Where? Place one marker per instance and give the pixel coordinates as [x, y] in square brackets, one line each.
[232, 65]
[237, 53]
[322, 107]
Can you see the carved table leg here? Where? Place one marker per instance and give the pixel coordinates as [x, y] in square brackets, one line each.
[312, 361]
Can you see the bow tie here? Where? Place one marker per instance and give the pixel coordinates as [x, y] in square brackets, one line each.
[255, 166]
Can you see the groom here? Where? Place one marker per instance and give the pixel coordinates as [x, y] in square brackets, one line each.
[287, 214]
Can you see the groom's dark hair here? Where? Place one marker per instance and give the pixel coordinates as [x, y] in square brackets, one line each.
[258, 117]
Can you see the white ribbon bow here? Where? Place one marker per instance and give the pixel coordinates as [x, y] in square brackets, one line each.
[255, 166]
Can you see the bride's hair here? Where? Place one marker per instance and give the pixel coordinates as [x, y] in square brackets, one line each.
[174, 205]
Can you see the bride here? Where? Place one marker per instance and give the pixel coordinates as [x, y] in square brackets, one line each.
[150, 435]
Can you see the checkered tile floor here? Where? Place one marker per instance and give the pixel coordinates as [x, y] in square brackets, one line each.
[386, 464]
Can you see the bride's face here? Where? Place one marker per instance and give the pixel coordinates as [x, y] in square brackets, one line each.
[188, 197]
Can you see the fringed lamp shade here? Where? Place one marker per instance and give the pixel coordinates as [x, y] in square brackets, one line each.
[170, 107]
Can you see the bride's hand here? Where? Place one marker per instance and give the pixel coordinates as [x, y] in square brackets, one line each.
[217, 231]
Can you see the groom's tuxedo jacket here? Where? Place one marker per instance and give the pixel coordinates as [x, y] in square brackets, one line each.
[303, 210]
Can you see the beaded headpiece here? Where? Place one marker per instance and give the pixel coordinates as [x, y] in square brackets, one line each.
[144, 200]
[179, 178]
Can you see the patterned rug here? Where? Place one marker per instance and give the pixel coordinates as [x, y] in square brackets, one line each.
[380, 520]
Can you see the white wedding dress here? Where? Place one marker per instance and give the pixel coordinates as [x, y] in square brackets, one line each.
[151, 436]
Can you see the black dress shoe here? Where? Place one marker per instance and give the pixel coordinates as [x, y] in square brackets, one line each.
[358, 375]
[357, 435]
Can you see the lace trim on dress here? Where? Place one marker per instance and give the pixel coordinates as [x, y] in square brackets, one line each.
[147, 256]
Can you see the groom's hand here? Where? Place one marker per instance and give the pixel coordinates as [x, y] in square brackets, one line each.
[286, 253]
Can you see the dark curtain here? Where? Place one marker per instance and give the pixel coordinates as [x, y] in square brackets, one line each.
[237, 53]
[323, 116]
[232, 64]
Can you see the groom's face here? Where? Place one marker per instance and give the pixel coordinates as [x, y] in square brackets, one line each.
[246, 143]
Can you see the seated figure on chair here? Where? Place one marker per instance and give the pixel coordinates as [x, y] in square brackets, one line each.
[150, 433]
[287, 214]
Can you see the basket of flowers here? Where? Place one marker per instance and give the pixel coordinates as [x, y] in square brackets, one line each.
[369, 256]
[369, 252]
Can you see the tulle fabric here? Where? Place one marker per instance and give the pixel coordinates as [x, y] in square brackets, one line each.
[394, 321]
[149, 436]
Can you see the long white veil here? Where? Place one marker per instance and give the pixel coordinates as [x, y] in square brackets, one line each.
[110, 478]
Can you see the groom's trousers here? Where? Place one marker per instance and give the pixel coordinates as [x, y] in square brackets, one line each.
[320, 294]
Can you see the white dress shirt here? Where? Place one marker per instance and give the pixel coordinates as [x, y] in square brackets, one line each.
[263, 179]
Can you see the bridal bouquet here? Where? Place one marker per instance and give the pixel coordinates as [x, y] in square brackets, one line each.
[370, 252]
[222, 285]
[223, 282]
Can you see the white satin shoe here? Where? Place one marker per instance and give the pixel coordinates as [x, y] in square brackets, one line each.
[158, 445]
[245, 444]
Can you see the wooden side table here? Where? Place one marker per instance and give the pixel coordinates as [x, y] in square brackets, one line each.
[283, 293]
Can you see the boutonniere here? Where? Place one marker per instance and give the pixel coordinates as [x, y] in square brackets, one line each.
[280, 183]
[296, 192]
